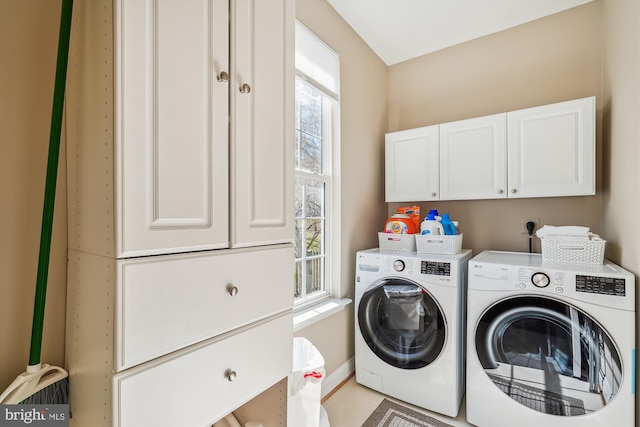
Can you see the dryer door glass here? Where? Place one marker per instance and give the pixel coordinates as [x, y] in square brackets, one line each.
[549, 356]
[402, 324]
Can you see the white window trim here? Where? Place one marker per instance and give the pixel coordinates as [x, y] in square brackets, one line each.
[308, 312]
[311, 314]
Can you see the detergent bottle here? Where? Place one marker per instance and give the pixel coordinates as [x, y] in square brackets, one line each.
[431, 226]
[448, 226]
[400, 224]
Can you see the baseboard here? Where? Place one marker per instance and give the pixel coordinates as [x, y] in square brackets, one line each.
[337, 377]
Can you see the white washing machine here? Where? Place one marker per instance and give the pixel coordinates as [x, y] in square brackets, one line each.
[549, 344]
[409, 321]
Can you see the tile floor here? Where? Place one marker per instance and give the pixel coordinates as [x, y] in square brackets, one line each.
[351, 404]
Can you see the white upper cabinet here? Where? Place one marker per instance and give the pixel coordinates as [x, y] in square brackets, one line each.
[545, 151]
[551, 150]
[411, 165]
[262, 122]
[204, 125]
[473, 156]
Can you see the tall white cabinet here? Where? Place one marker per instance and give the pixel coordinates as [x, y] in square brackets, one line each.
[179, 120]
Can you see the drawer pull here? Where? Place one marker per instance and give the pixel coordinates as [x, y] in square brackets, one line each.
[233, 290]
[231, 375]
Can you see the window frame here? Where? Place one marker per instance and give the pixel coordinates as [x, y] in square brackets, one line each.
[330, 178]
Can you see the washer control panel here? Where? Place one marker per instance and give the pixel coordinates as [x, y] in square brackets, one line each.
[435, 268]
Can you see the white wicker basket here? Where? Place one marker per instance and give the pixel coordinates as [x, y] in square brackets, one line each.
[397, 242]
[438, 244]
[576, 251]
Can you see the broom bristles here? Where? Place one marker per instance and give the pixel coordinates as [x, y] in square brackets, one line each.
[54, 394]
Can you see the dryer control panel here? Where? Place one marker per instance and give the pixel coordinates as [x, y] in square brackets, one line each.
[600, 285]
[607, 284]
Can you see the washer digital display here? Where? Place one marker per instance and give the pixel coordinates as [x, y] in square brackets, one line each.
[600, 285]
[435, 268]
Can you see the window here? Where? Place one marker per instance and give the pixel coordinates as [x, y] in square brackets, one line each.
[316, 109]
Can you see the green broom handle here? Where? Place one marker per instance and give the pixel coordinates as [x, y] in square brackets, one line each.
[50, 185]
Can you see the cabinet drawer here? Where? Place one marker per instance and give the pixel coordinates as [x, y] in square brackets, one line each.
[193, 388]
[167, 303]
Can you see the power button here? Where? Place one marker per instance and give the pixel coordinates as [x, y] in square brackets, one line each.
[398, 265]
[541, 280]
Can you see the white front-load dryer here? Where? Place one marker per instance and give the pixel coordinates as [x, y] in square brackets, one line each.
[409, 326]
[549, 344]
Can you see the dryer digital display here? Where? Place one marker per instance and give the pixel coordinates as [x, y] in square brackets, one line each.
[435, 268]
[600, 285]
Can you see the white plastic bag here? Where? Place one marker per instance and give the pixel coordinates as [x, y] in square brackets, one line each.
[305, 388]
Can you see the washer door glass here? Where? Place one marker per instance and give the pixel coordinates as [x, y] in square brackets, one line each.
[548, 356]
[402, 324]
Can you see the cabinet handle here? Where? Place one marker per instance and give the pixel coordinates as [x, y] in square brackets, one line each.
[231, 375]
[433, 194]
[500, 191]
[223, 76]
[245, 88]
[513, 190]
[233, 290]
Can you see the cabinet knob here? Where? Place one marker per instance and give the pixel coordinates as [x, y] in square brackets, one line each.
[231, 375]
[223, 76]
[233, 290]
[433, 194]
[513, 190]
[245, 88]
[500, 191]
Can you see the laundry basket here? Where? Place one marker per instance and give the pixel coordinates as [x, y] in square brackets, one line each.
[574, 251]
[397, 242]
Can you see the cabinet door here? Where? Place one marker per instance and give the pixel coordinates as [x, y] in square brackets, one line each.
[411, 165]
[262, 114]
[171, 126]
[552, 150]
[473, 158]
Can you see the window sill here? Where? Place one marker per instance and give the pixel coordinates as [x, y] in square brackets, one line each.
[310, 315]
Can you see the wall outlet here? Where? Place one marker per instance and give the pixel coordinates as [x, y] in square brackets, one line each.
[524, 222]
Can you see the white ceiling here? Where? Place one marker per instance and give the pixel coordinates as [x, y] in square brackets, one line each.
[398, 30]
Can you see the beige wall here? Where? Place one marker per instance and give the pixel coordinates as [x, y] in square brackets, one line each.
[363, 103]
[621, 134]
[621, 131]
[552, 59]
[28, 42]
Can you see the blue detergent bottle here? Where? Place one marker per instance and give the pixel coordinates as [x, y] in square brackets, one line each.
[448, 226]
